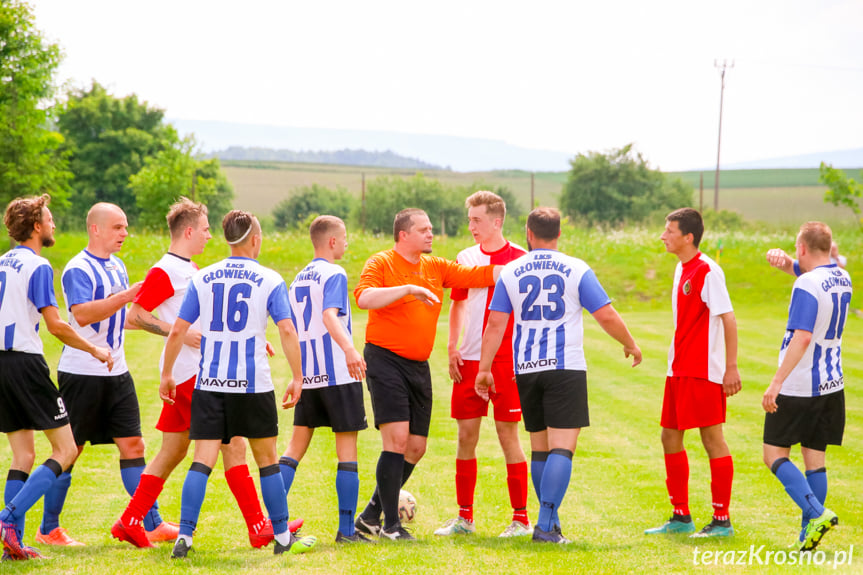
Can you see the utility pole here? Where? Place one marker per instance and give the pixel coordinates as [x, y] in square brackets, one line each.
[722, 69]
[363, 216]
[531, 193]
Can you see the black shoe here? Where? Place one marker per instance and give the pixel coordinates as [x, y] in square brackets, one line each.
[357, 537]
[553, 536]
[180, 549]
[398, 533]
[296, 545]
[368, 527]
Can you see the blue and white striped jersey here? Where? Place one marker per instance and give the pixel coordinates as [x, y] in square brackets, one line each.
[546, 291]
[233, 299]
[89, 278]
[819, 304]
[321, 285]
[26, 286]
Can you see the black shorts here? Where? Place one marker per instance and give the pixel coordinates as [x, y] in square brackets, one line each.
[813, 422]
[28, 397]
[337, 406]
[401, 389]
[554, 398]
[219, 415]
[101, 407]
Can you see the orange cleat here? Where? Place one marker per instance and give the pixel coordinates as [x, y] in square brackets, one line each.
[165, 531]
[294, 526]
[56, 536]
[133, 534]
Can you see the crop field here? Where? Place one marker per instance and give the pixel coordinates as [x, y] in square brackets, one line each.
[617, 487]
[777, 197]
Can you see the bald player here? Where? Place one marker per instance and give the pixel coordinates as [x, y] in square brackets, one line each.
[102, 406]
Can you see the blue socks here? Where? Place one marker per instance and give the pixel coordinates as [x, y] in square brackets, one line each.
[275, 497]
[34, 488]
[348, 490]
[553, 486]
[797, 487]
[14, 482]
[288, 467]
[53, 503]
[130, 473]
[537, 468]
[194, 490]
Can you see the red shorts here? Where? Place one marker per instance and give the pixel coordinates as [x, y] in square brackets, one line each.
[176, 418]
[466, 404]
[692, 402]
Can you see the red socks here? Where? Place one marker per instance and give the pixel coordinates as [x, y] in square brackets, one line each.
[677, 481]
[243, 487]
[721, 476]
[465, 484]
[147, 492]
[516, 482]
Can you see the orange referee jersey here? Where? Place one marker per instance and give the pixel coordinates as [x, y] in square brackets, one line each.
[407, 326]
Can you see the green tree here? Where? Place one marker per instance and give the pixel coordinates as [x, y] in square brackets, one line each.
[109, 140]
[30, 157]
[311, 201]
[618, 186]
[386, 196]
[175, 172]
[842, 190]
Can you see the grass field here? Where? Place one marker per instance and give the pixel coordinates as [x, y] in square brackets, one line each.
[774, 196]
[617, 487]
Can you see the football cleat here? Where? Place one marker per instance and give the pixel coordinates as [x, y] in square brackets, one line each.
[357, 537]
[133, 534]
[56, 536]
[261, 534]
[367, 527]
[164, 531]
[716, 528]
[398, 533]
[11, 542]
[516, 529]
[553, 536]
[817, 528]
[295, 525]
[296, 545]
[181, 549]
[32, 553]
[677, 524]
[456, 526]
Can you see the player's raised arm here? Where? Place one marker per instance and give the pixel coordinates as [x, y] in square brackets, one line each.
[778, 259]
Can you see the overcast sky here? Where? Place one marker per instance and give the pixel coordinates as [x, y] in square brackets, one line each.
[571, 76]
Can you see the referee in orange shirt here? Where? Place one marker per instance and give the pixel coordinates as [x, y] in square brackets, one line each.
[403, 288]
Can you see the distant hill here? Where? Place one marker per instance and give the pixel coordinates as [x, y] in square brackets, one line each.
[836, 158]
[346, 157]
[460, 154]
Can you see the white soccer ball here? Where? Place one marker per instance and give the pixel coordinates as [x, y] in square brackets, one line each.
[407, 507]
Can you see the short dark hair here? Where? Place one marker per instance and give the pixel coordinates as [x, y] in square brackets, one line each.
[183, 214]
[689, 221]
[404, 220]
[544, 223]
[817, 236]
[22, 214]
[323, 227]
[238, 224]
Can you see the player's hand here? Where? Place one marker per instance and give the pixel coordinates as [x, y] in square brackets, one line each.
[193, 338]
[484, 384]
[455, 362]
[424, 295]
[356, 364]
[292, 393]
[768, 402]
[168, 389]
[635, 352]
[103, 354]
[731, 381]
[777, 258]
[271, 351]
[130, 293]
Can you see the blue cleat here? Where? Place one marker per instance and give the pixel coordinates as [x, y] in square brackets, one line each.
[677, 524]
[716, 528]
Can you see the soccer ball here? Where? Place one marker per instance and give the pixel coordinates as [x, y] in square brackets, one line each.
[407, 507]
